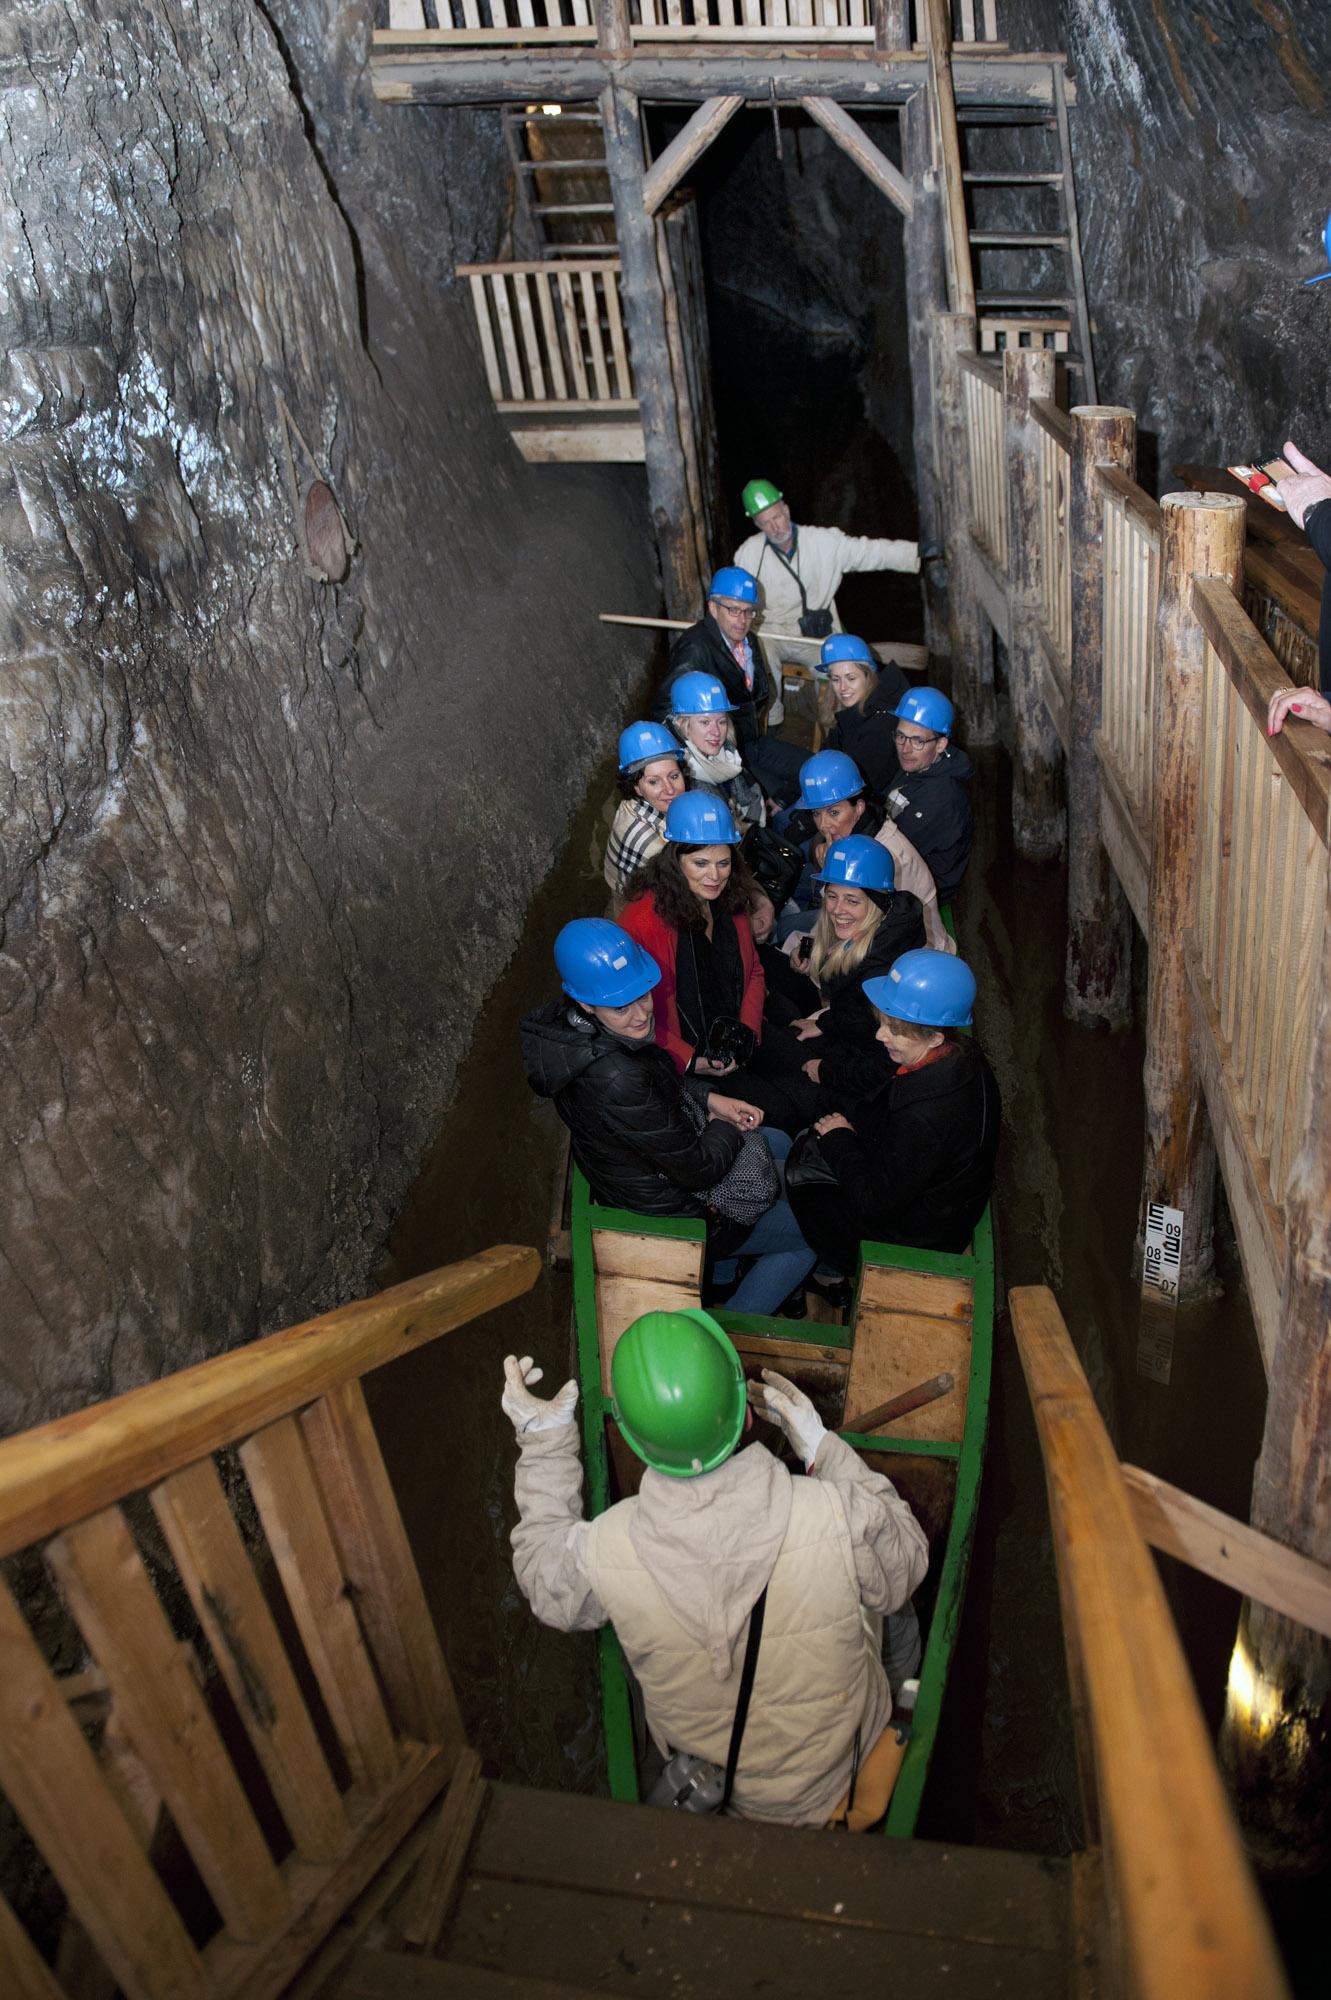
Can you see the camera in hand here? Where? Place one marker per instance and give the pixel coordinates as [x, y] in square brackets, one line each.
[727, 1041]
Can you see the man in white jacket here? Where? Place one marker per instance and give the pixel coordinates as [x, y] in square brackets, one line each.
[799, 572]
[679, 1568]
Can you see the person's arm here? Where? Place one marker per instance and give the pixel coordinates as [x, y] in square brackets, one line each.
[550, 1539]
[937, 822]
[755, 979]
[645, 1112]
[861, 552]
[878, 1180]
[660, 942]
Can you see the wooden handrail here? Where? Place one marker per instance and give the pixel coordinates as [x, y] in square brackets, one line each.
[1050, 418]
[570, 265]
[65, 1470]
[1229, 1551]
[987, 371]
[1189, 1916]
[1303, 756]
[1120, 487]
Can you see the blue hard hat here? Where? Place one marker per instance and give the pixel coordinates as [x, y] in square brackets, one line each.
[642, 741]
[600, 965]
[929, 987]
[827, 779]
[740, 584]
[858, 863]
[929, 709]
[845, 646]
[700, 819]
[699, 694]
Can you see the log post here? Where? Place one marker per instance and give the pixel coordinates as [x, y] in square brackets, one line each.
[645, 315]
[1028, 375]
[970, 640]
[926, 294]
[891, 25]
[1099, 961]
[1201, 534]
[614, 35]
[1275, 1741]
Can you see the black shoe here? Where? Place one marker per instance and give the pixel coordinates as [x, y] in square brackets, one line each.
[836, 1291]
[794, 1307]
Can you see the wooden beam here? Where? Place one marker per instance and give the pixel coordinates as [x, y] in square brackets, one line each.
[926, 296]
[1098, 975]
[891, 25]
[691, 73]
[1230, 1551]
[969, 641]
[1184, 1908]
[1028, 374]
[840, 126]
[63, 1470]
[688, 145]
[943, 80]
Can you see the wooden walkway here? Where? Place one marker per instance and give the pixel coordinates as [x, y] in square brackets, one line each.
[567, 1896]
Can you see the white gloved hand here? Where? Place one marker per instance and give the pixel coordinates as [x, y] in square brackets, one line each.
[531, 1414]
[777, 1399]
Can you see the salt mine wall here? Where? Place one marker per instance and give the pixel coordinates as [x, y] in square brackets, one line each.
[1200, 147]
[267, 839]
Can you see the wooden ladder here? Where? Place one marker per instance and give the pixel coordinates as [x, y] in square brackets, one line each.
[562, 205]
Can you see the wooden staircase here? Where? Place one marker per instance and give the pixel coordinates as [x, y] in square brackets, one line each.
[562, 190]
[561, 1896]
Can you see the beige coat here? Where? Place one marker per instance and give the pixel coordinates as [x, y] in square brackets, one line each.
[822, 557]
[678, 1570]
[913, 873]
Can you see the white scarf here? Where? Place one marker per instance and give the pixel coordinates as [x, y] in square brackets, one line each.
[722, 769]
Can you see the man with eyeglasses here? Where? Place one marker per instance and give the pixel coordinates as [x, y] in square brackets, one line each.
[929, 800]
[719, 644]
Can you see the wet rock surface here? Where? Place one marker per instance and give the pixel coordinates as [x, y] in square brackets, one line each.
[266, 840]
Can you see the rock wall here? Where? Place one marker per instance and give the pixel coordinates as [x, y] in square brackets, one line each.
[267, 840]
[1200, 149]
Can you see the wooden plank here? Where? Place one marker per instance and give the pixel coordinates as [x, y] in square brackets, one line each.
[1299, 749]
[106, 1586]
[990, 372]
[503, 314]
[673, 1259]
[391, 1975]
[592, 319]
[45, 1767]
[434, 1886]
[286, 1493]
[619, 1301]
[759, 1347]
[24, 1974]
[895, 1350]
[887, 1289]
[1191, 1917]
[1057, 423]
[530, 345]
[215, 1568]
[320, 1894]
[1230, 1551]
[618, 347]
[858, 146]
[574, 265]
[377, 1562]
[509, 35]
[977, 1895]
[553, 348]
[689, 144]
[586, 444]
[961, 281]
[61, 1471]
[1120, 487]
[481, 308]
[1123, 836]
[572, 331]
[553, 407]
[991, 590]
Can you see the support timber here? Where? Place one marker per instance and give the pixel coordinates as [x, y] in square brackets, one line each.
[926, 295]
[1028, 375]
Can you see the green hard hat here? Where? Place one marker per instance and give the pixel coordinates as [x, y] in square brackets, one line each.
[760, 493]
[677, 1392]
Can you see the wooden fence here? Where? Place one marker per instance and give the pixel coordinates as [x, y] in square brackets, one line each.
[552, 336]
[1244, 930]
[468, 22]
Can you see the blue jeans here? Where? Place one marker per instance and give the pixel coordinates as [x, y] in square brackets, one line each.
[783, 1257]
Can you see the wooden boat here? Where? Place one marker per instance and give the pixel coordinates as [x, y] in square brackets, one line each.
[916, 1314]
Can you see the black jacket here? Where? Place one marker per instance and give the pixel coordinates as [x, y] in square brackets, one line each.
[854, 1062]
[703, 650]
[933, 810]
[1317, 527]
[917, 1169]
[624, 1107]
[869, 738]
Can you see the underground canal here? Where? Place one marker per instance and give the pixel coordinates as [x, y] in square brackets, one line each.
[1003, 1771]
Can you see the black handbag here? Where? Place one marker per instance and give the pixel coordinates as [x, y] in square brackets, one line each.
[775, 864]
[805, 1165]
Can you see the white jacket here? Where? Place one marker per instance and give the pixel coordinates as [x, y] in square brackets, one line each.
[678, 1570]
[821, 557]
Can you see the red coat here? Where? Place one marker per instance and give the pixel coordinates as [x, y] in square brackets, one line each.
[660, 940]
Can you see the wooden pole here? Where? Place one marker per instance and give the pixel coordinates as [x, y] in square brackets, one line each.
[1099, 961]
[1201, 534]
[613, 33]
[1276, 1737]
[926, 294]
[961, 281]
[645, 313]
[891, 25]
[688, 146]
[970, 640]
[1037, 819]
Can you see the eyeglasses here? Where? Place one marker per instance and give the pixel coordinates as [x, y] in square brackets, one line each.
[903, 736]
[733, 609]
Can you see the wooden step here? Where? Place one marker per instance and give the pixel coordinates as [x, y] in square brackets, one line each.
[620, 1899]
[1035, 301]
[1014, 180]
[984, 239]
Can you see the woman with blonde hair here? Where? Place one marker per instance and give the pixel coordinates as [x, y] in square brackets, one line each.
[700, 715]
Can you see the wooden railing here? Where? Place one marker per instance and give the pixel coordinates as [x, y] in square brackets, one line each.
[1132, 580]
[982, 387]
[552, 336]
[471, 22]
[1184, 1915]
[339, 1725]
[1055, 574]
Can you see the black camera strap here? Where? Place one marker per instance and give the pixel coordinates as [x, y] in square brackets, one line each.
[789, 567]
[746, 1680]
